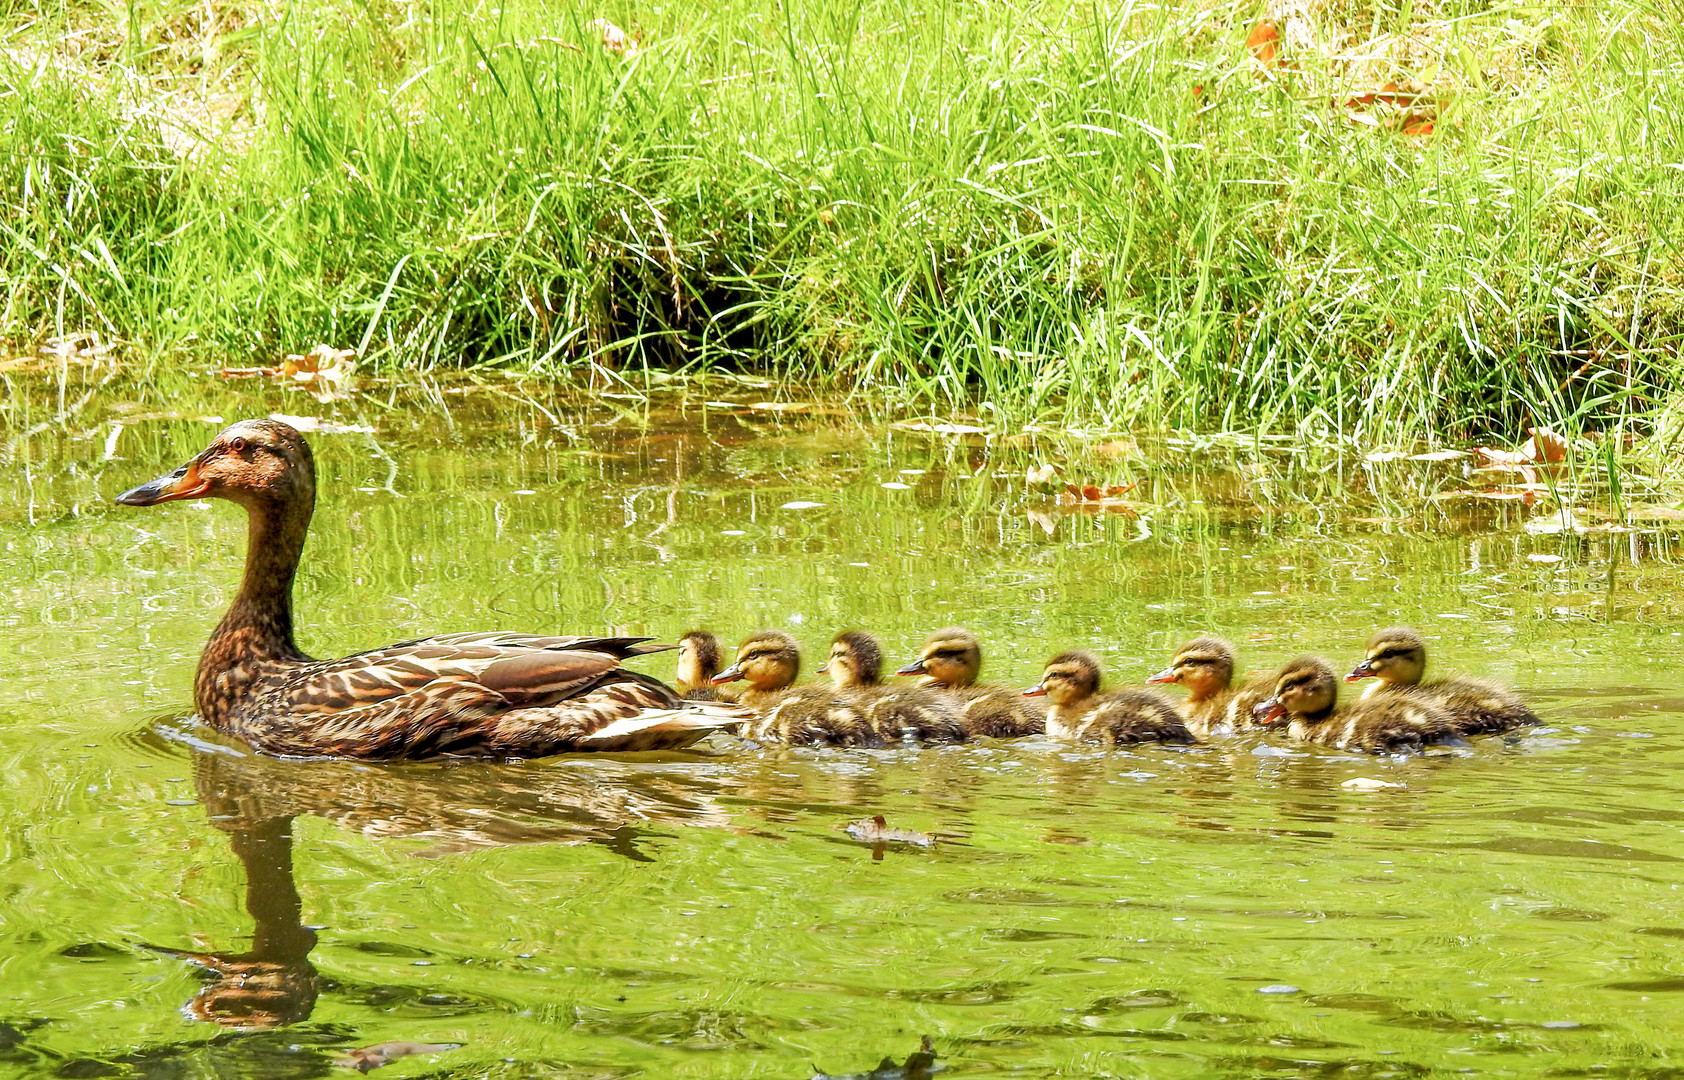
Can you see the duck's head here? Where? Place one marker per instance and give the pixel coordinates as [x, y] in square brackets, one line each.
[767, 659]
[254, 463]
[1068, 677]
[1205, 666]
[855, 660]
[1395, 655]
[698, 658]
[1304, 688]
[951, 657]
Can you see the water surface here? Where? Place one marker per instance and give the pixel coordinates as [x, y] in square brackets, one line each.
[176, 907]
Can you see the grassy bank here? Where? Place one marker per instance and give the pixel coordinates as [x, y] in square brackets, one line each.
[1111, 211]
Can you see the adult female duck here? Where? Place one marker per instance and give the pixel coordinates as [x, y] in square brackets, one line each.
[466, 695]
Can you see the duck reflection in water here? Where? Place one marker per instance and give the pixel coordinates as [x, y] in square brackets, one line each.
[273, 983]
[472, 806]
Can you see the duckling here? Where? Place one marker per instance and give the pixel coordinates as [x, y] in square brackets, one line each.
[895, 713]
[1080, 713]
[698, 663]
[769, 660]
[1306, 697]
[1205, 666]
[1396, 657]
[950, 661]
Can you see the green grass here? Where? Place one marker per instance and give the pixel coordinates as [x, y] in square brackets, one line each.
[1082, 211]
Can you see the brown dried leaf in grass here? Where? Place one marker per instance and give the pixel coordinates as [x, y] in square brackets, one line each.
[1264, 44]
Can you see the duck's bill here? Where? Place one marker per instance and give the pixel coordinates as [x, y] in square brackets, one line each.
[915, 668]
[1166, 675]
[1036, 691]
[1362, 671]
[184, 483]
[1268, 712]
[730, 674]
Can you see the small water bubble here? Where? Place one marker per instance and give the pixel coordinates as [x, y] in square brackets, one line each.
[801, 504]
[1561, 1025]
[1279, 988]
[523, 491]
[181, 802]
[732, 532]
[893, 486]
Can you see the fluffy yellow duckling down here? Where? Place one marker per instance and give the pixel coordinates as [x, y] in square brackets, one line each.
[950, 661]
[1306, 701]
[769, 661]
[1080, 713]
[1205, 666]
[1397, 658]
[894, 713]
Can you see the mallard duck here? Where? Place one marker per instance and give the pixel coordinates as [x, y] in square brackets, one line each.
[769, 661]
[1306, 696]
[457, 695]
[950, 661]
[1397, 657]
[1205, 666]
[698, 662]
[1080, 713]
[895, 713]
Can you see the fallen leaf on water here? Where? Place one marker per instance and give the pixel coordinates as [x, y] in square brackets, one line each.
[1544, 447]
[372, 1057]
[875, 830]
[1367, 783]
[325, 427]
[1046, 521]
[1043, 478]
[324, 371]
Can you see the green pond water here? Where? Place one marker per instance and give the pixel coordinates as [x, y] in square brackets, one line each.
[1516, 909]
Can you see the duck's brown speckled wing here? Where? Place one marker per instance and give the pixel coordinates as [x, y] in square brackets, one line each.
[515, 695]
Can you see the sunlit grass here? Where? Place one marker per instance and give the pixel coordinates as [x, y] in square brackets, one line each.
[1047, 210]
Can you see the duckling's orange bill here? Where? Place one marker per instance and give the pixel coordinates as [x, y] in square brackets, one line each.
[1364, 670]
[1268, 712]
[1038, 690]
[1166, 675]
[184, 483]
[730, 674]
[915, 668]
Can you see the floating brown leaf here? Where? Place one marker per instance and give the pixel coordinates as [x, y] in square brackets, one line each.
[1367, 783]
[875, 830]
[1542, 447]
[366, 1058]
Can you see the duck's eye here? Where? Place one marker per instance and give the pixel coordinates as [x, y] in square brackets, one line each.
[238, 445]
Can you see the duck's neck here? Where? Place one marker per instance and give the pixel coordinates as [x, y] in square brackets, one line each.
[256, 634]
[1064, 718]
